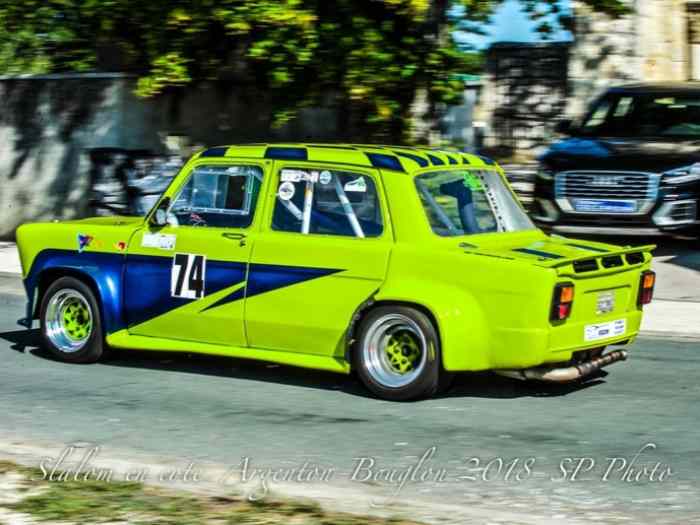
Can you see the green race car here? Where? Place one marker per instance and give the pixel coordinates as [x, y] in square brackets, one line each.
[401, 264]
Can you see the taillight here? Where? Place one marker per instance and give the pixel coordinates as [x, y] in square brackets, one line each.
[646, 287]
[562, 301]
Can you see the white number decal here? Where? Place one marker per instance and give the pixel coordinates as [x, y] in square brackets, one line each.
[187, 276]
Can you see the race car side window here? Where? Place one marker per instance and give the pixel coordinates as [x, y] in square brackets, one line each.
[327, 202]
[218, 197]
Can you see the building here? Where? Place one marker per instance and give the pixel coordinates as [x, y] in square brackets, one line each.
[529, 87]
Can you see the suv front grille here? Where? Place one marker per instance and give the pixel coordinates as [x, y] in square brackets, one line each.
[606, 185]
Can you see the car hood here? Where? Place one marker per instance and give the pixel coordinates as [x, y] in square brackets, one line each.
[650, 155]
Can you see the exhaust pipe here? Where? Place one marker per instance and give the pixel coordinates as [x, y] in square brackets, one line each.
[565, 374]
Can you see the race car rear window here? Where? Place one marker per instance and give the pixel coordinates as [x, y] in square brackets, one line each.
[218, 196]
[327, 202]
[464, 202]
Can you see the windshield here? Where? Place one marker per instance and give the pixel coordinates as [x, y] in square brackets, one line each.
[644, 115]
[462, 202]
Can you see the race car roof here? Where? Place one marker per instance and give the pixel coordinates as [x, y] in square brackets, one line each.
[395, 158]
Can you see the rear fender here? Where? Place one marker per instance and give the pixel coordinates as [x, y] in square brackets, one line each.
[464, 332]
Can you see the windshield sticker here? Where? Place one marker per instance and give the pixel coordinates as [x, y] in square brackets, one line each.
[358, 185]
[161, 241]
[286, 191]
[292, 175]
[325, 177]
[473, 182]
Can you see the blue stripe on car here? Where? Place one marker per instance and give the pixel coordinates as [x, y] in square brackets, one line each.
[215, 152]
[144, 293]
[381, 160]
[423, 163]
[538, 253]
[437, 161]
[286, 153]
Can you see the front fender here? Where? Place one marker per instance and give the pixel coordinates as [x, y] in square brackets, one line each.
[102, 270]
[464, 332]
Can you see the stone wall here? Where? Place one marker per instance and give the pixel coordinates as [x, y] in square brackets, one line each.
[530, 87]
[526, 92]
[648, 45]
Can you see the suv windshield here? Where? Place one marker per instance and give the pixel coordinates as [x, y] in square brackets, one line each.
[644, 115]
[462, 202]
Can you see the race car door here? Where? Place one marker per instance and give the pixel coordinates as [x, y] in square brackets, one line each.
[323, 251]
[186, 280]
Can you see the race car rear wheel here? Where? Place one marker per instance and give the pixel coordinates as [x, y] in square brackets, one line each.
[397, 353]
[71, 327]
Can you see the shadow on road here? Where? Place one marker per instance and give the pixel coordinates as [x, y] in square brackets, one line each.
[473, 384]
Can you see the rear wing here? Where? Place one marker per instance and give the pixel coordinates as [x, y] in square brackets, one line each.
[603, 260]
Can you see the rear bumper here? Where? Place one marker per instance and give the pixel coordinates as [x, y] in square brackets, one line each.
[521, 349]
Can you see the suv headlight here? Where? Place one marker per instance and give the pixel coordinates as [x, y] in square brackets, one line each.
[682, 175]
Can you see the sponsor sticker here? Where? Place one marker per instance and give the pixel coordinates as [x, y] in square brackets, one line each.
[472, 181]
[162, 241]
[359, 185]
[286, 191]
[291, 175]
[593, 332]
[84, 241]
[325, 177]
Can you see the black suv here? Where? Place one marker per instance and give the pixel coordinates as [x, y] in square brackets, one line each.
[630, 166]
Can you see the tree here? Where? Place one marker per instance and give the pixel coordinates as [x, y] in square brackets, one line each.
[373, 56]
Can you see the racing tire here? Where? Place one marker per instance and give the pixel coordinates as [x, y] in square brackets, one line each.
[71, 325]
[397, 354]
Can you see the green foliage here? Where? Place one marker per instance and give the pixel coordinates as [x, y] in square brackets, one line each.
[372, 55]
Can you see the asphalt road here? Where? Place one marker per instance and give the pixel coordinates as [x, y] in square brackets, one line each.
[174, 408]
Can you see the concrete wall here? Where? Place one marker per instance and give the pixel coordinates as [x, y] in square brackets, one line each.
[61, 137]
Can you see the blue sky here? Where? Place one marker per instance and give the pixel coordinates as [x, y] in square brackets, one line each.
[508, 23]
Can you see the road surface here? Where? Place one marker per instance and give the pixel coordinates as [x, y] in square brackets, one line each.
[173, 409]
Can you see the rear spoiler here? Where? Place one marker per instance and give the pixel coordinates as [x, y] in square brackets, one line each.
[599, 256]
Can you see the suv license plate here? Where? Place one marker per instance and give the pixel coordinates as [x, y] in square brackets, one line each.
[604, 206]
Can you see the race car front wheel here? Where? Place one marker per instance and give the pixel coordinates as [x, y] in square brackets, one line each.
[71, 327]
[397, 354]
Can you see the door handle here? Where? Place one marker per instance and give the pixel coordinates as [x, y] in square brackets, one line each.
[240, 237]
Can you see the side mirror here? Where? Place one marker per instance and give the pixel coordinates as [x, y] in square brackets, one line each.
[159, 218]
[565, 127]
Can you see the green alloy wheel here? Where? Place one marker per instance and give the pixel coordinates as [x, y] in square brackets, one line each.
[70, 321]
[397, 353]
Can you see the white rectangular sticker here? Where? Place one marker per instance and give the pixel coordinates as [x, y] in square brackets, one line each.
[289, 175]
[292, 175]
[161, 241]
[593, 332]
[358, 185]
